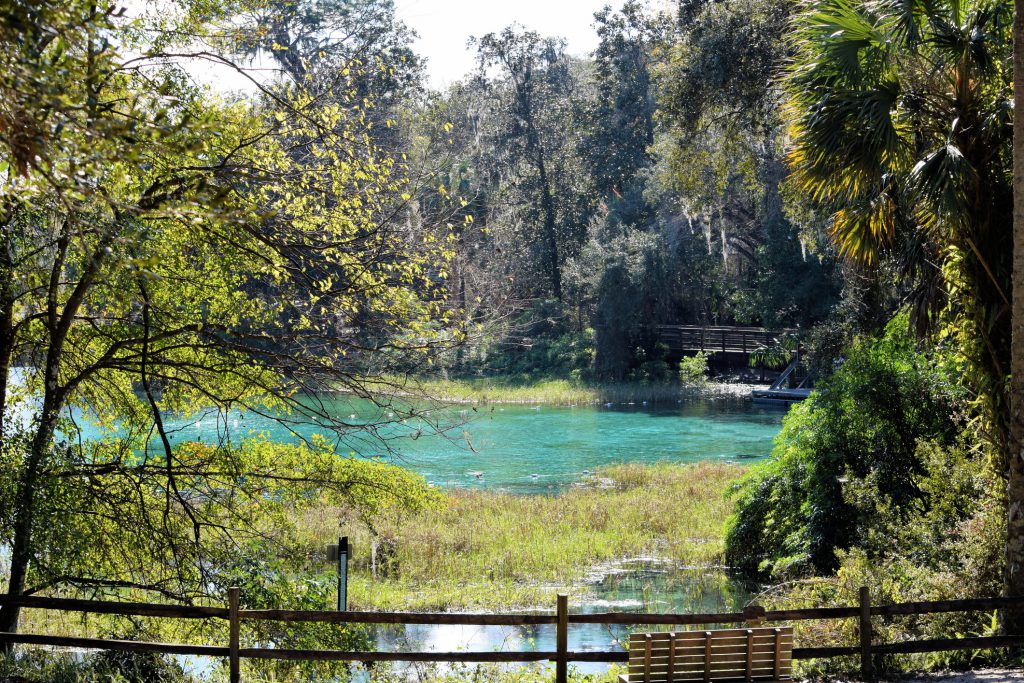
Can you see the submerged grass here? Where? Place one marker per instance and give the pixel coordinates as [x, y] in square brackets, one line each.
[488, 550]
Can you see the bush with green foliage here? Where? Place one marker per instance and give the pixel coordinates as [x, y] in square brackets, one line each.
[858, 437]
[693, 370]
[949, 546]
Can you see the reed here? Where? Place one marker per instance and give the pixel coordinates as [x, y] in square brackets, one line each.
[488, 550]
[554, 391]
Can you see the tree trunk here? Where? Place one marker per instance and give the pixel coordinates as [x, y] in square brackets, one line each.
[1013, 621]
[6, 350]
[24, 517]
[550, 232]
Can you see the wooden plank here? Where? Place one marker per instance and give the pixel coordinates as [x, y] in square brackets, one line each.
[738, 674]
[740, 634]
[708, 635]
[750, 654]
[333, 617]
[714, 674]
[647, 657]
[339, 655]
[234, 670]
[698, 677]
[803, 653]
[599, 656]
[812, 613]
[739, 662]
[672, 640]
[739, 657]
[778, 651]
[109, 644]
[866, 667]
[684, 648]
[112, 607]
[736, 659]
[562, 639]
[939, 606]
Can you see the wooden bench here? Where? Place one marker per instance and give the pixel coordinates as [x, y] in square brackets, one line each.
[742, 654]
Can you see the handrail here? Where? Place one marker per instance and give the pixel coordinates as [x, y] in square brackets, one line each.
[561, 619]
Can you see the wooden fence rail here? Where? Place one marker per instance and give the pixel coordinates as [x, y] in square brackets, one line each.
[561, 619]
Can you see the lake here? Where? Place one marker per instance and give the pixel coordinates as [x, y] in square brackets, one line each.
[530, 449]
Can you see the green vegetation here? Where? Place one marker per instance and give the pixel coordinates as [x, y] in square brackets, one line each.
[693, 371]
[465, 550]
[493, 551]
[564, 392]
[876, 481]
[860, 434]
[867, 150]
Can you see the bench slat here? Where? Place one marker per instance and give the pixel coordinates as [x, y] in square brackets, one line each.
[741, 654]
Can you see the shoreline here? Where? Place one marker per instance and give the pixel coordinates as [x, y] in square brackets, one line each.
[504, 391]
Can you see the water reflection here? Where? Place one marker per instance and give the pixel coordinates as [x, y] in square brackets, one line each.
[644, 585]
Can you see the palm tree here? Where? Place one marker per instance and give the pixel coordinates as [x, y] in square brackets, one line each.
[901, 122]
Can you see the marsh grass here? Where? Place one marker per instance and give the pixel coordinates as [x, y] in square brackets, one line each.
[489, 550]
[554, 391]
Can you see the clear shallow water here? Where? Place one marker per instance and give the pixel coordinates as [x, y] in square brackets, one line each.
[530, 449]
[642, 586]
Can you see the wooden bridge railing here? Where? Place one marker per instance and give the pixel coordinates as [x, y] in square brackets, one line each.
[681, 338]
[561, 619]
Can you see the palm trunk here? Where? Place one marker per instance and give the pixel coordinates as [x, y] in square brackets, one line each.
[1013, 621]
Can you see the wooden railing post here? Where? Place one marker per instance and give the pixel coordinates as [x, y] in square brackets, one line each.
[234, 673]
[867, 668]
[562, 640]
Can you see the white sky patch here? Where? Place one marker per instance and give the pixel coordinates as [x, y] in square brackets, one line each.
[444, 26]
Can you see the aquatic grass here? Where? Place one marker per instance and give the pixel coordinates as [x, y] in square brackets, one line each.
[490, 550]
[553, 391]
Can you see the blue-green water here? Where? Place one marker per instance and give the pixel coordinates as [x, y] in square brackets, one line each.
[528, 449]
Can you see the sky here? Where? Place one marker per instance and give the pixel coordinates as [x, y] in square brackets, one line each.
[444, 26]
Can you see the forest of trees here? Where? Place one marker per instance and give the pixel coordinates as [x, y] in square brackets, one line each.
[603, 195]
[637, 187]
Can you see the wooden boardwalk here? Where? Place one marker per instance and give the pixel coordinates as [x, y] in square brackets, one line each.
[692, 338]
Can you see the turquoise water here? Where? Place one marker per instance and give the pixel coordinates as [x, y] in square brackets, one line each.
[527, 449]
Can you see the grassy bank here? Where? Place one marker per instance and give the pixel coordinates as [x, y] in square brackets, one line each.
[486, 550]
[559, 391]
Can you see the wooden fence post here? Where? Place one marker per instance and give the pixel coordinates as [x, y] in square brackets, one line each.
[233, 632]
[867, 668]
[562, 640]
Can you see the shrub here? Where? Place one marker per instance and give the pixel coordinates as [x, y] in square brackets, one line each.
[693, 370]
[856, 438]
